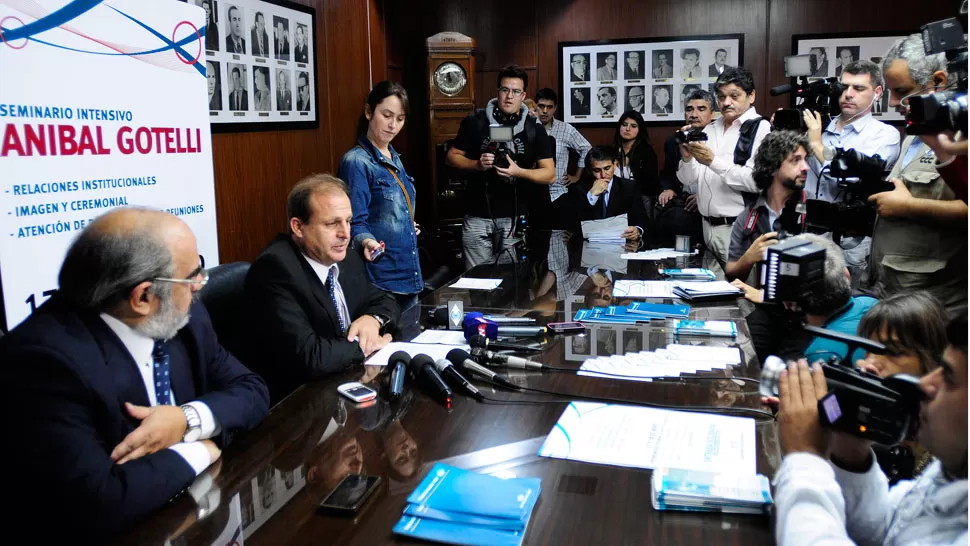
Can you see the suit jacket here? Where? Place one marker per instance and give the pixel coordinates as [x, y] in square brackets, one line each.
[301, 54]
[65, 380]
[712, 70]
[216, 102]
[230, 46]
[212, 37]
[631, 74]
[254, 40]
[293, 324]
[282, 50]
[625, 198]
[244, 101]
[303, 107]
[663, 72]
[283, 100]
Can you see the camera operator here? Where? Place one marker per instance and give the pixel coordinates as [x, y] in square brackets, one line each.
[719, 171]
[780, 169]
[919, 240]
[847, 499]
[777, 331]
[496, 196]
[678, 208]
[855, 128]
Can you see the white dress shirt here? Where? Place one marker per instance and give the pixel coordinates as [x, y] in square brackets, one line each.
[140, 348]
[818, 503]
[718, 187]
[866, 135]
[323, 272]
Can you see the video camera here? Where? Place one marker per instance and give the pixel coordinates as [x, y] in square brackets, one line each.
[500, 136]
[859, 176]
[694, 135]
[793, 270]
[946, 110]
[821, 95]
[883, 410]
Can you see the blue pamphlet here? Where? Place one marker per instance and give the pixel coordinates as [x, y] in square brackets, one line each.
[716, 328]
[424, 511]
[456, 490]
[457, 533]
[663, 309]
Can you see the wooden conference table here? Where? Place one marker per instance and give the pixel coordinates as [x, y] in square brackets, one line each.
[267, 486]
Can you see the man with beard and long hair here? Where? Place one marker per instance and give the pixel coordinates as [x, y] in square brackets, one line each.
[116, 391]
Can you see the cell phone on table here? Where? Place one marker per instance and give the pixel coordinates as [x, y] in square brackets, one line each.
[350, 494]
[357, 392]
[566, 327]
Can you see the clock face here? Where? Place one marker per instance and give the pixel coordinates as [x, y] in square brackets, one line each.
[450, 78]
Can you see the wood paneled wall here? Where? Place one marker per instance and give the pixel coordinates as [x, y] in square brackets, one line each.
[255, 171]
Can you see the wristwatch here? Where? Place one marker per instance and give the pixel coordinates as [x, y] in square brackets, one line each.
[194, 421]
[382, 320]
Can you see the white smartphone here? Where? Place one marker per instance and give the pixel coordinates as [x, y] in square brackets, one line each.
[356, 391]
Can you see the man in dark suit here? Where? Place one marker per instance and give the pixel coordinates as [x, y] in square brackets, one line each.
[281, 41]
[300, 53]
[720, 59]
[235, 43]
[116, 391]
[258, 37]
[238, 98]
[608, 195]
[313, 311]
[211, 28]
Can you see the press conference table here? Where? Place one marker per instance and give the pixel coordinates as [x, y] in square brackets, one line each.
[266, 488]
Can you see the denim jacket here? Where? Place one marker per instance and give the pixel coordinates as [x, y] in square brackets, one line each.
[381, 213]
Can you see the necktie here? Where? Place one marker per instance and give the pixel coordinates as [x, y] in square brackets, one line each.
[163, 382]
[331, 286]
[603, 205]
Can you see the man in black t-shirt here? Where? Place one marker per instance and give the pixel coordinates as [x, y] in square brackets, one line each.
[498, 192]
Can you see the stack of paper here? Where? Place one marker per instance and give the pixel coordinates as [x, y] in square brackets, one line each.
[469, 283]
[642, 437]
[673, 361]
[656, 254]
[700, 290]
[463, 507]
[631, 314]
[607, 230]
[690, 274]
[678, 489]
[714, 328]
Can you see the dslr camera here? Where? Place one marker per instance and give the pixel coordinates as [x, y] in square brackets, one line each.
[946, 110]
[694, 135]
[821, 95]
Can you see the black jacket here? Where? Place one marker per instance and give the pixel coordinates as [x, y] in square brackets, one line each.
[643, 166]
[292, 323]
[624, 198]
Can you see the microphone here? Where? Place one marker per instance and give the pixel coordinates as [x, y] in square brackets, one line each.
[476, 324]
[398, 362]
[447, 370]
[487, 357]
[780, 90]
[499, 319]
[463, 360]
[422, 367]
[484, 342]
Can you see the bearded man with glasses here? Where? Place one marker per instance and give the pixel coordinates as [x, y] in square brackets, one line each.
[116, 391]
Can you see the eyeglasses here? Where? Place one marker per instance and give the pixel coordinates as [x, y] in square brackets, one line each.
[191, 279]
[513, 92]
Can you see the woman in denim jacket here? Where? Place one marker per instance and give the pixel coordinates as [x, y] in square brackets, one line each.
[382, 196]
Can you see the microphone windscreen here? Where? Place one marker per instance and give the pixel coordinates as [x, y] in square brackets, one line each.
[418, 361]
[457, 356]
[440, 316]
[780, 90]
[397, 356]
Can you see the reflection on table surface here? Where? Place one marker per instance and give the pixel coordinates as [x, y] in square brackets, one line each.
[267, 486]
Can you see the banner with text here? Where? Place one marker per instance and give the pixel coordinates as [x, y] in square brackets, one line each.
[102, 104]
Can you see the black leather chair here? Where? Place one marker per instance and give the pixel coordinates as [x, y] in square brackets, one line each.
[222, 297]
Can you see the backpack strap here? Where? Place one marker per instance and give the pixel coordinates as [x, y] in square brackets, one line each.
[745, 146]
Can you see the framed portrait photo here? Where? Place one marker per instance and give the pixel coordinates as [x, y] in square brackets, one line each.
[604, 78]
[830, 52]
[260, 64]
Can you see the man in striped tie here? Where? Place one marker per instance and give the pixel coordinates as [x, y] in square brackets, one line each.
[312, 310]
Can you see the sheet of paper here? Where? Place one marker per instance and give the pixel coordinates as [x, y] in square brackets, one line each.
[656, 254]
[469, 283]
[624, 288]
[646, 365]
[434, 350]
[606, 230]
[603, 256]
[639, 437]
[442, 337]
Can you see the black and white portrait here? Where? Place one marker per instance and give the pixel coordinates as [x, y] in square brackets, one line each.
[843, 56]
[284, 90]
[820, 60]
[633, 68]
[606, 101]
[258, 37]
[579, 67]
[663, 66]
[580, 344]
[215, 84]
[261, 91]
[301, 53]
[661, 99]
[235, 42]
[303, 92]
[690, 63]
[606, 66]
[605, 342]
[721, 56]
[579, 101]
[632, 341]
[712, 89]
[238, 89]
[686, 90]
[211, 23]
[635, 99]
[281, 38]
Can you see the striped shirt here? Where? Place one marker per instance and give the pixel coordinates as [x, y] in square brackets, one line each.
[567, 138]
